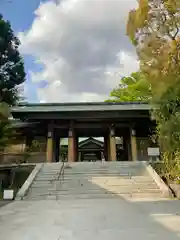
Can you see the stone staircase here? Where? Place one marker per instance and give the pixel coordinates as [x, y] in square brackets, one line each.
[93, 180]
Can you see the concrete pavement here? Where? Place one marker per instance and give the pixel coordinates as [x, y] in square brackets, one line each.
[95, 219]
[4, 202]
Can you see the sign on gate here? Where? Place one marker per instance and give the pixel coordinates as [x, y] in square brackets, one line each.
[153, 152]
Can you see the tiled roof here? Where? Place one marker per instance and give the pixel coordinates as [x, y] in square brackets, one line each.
[90, 106]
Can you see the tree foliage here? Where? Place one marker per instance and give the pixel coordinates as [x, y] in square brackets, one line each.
[132, 88]
[11, 68]
[5, 134]
[11, 76]
[154, 28]
[4, 111]
[11, 64]
[168, 119]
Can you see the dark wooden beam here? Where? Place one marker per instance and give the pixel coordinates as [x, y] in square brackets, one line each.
[90, 125]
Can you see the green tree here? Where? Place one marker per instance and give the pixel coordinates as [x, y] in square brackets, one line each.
[4, 111]
[132, 88]
[154, 29]
[12, 74]
[11, 68]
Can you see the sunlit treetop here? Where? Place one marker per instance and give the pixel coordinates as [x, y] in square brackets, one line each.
[154, 28]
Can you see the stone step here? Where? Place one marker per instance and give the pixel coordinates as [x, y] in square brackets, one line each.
[123, 170]
[127, 175]
[100, 166]
[93, 193]
[87, 185]
[90, 191]
[93, 180]
[95, 196]
[93, 166]
[90, 178]
[108, 173]
[90, 185]
[83, 164]
[115, 171]
[76, 176]
[52, 189]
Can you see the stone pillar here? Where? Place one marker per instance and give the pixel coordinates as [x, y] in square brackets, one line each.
[50, 144]
[71, 145]
[112, 144]
[133, 145]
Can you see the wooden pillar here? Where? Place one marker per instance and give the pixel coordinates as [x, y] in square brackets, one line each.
[82, 156]
[50, 144]
[112, 144]
[79, 156]
[57, 149]
[106, 147]
[76, 149]
[133, 145]
[129, 151]
[113, 156]
[29, 139]
[127, 146]
[71, 145]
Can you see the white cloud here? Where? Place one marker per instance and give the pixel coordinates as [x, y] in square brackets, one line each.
[22, 89]
[78, 42]
[128, 63]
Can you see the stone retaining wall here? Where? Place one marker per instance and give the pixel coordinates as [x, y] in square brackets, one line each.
[176, 189]
[19, 157]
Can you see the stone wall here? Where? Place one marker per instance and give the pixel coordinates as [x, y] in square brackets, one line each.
[20, 157]
[176, 189]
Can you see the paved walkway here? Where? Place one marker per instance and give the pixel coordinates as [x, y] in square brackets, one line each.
[91, 219]
[4, 203]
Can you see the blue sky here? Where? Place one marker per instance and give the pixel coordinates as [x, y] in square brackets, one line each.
[80, 57]
[21, 15]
